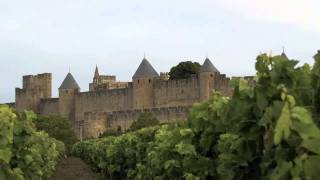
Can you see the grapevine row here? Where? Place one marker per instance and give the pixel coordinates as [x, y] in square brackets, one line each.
[268, 130]
[24, 152]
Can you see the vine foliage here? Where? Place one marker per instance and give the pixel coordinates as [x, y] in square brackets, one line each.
[263, 131]
[24, 152]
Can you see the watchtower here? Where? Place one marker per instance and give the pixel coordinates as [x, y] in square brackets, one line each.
[33, 89]
[143, 85]
[67, 92]
[207, 76]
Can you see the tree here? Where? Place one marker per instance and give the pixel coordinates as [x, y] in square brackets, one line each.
[111, 132]
[58, 128]
[145, 119]
[184, 70]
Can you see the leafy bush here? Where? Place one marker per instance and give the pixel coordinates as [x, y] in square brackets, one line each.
[24, 152]
[112, 132]
[184, 70]
[145, 119]
[116, 156]
[267, 131]
[58, 128]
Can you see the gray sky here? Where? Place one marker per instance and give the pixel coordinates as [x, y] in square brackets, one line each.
[38, 36]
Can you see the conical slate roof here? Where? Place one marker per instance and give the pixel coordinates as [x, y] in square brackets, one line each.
[208, 66]
[145, 69]
[69, 83]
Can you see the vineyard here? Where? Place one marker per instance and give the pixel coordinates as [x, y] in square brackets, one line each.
[25, 153]
[268, 130]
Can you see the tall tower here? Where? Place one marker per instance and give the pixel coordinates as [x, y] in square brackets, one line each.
[143, 85]
[207, 77]
[67, 92]
[34, 89]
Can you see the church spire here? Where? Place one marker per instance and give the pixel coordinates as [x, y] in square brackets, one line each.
[96, 72]
[283, 54]
[96, 75]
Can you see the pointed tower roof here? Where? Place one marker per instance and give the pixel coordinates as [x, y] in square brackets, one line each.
[69, 83]
[208, 66]
[283, 54]
[145, 69]
[96, 72]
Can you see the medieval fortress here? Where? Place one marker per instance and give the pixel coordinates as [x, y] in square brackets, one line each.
[113, 104]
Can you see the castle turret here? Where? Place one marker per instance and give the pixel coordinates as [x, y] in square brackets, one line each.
[143, 85]
[207, 77]
[34, 89]
[67, 92]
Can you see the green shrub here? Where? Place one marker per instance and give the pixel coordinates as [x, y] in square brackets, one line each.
[184, 70]
[58, 128]
[112, 132]
[145, 119]
[24, 152]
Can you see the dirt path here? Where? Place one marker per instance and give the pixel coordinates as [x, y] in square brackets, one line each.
[73, 168]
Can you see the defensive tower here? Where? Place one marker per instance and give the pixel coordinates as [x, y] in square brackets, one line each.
[34, 88]
[67, 92]
[143, 85]
[207, 75]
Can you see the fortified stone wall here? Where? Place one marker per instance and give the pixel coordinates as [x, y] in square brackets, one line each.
[222, 84]
[49, 106]
[34, 88]
[112, 104]
[95, 123]
[106, 101]
[176, 92]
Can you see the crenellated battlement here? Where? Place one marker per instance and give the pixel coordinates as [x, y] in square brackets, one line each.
[109, 92]
[34, 88]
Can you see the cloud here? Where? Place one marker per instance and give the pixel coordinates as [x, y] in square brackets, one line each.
[301, 13]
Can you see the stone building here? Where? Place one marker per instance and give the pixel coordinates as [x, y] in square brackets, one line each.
[112, 104]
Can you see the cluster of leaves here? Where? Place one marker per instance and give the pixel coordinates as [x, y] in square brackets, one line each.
[145, 119]
[24, 152]
[112, 132]
[184, 70]
[57, 127]
[268, 131]
[116, 157]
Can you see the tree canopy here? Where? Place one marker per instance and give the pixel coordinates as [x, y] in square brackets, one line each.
[145, 119]
[184, 70]
[58, 128]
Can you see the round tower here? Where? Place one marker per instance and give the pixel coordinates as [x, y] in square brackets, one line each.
[207, 79]
[143, 85]
[67, 92]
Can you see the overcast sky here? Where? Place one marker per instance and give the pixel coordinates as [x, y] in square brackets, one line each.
[38, 36]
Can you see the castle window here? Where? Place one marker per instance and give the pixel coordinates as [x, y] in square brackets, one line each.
[211, 75]
[138, 81]
[149, 80]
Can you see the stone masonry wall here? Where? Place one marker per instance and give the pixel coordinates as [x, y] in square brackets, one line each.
[106, 101]
[34, 88]
[181, 92]
[95, 123]
[49, 106]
